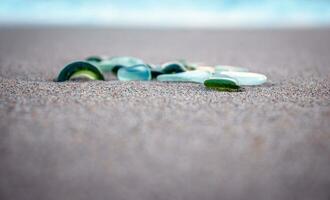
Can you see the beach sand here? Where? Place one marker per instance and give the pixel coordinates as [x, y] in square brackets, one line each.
[156, 140]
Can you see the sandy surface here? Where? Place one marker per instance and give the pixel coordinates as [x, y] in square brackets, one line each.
[153, 140]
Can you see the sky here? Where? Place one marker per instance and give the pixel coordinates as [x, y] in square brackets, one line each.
[167, 13]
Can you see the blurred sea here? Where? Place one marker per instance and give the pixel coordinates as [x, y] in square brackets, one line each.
[167, 13]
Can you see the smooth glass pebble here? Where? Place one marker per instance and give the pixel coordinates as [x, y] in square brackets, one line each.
[134, 73]
[153, 66]
[155, 73]
[190, 65]
[173, 67]
[205, 68]
[156, 70]
[80, 70]
[220, 68]
[189, 76]
[222, 83]
[113, 64]
[246, 78]
[83, 75]
[96, 59]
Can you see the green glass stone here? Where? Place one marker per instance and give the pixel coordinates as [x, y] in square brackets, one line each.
[80, 70]
[221, 68]
[246, 78]
[134, 73]
[190, 65]
[173, 67]
[222, 83]
[96, 59]
[156, 70]
[155, 73]
[115, 63]
[189, 76]
[84, 75]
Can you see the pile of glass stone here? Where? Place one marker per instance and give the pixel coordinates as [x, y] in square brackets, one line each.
[219, 77]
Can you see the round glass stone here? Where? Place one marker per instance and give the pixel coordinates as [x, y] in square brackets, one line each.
[134, 73]
[173, 67]
[96, 59]
[80, 70]
[115, 63]
[84, 75]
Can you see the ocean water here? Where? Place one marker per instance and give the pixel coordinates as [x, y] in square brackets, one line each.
[168, 13]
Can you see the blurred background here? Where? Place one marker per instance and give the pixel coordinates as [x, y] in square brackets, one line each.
[167, 13]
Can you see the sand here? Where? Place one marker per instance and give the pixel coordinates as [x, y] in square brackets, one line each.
[155, 140]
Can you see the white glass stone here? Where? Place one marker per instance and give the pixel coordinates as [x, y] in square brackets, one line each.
[245, 78]
[189, 76]
[220, 68]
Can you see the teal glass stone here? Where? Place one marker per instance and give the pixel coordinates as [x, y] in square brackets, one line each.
[246, 78]
[190, 65]
[115, 63]
[221, 68]
[189, 76]
[134, 73]
[80, 70]
[155, 70]
[222, 83]
[173, 67]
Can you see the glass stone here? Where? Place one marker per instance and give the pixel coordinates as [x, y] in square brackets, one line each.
[190, 65]
[246, 78]
[80, 70]
[173, 67]
[205, 68]
[222, 83]
[155, 73]
[156, 70]
[134, 73]
[113, 64]
[83, 75]
[96, 59]
[189, 76]
[220, 68]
